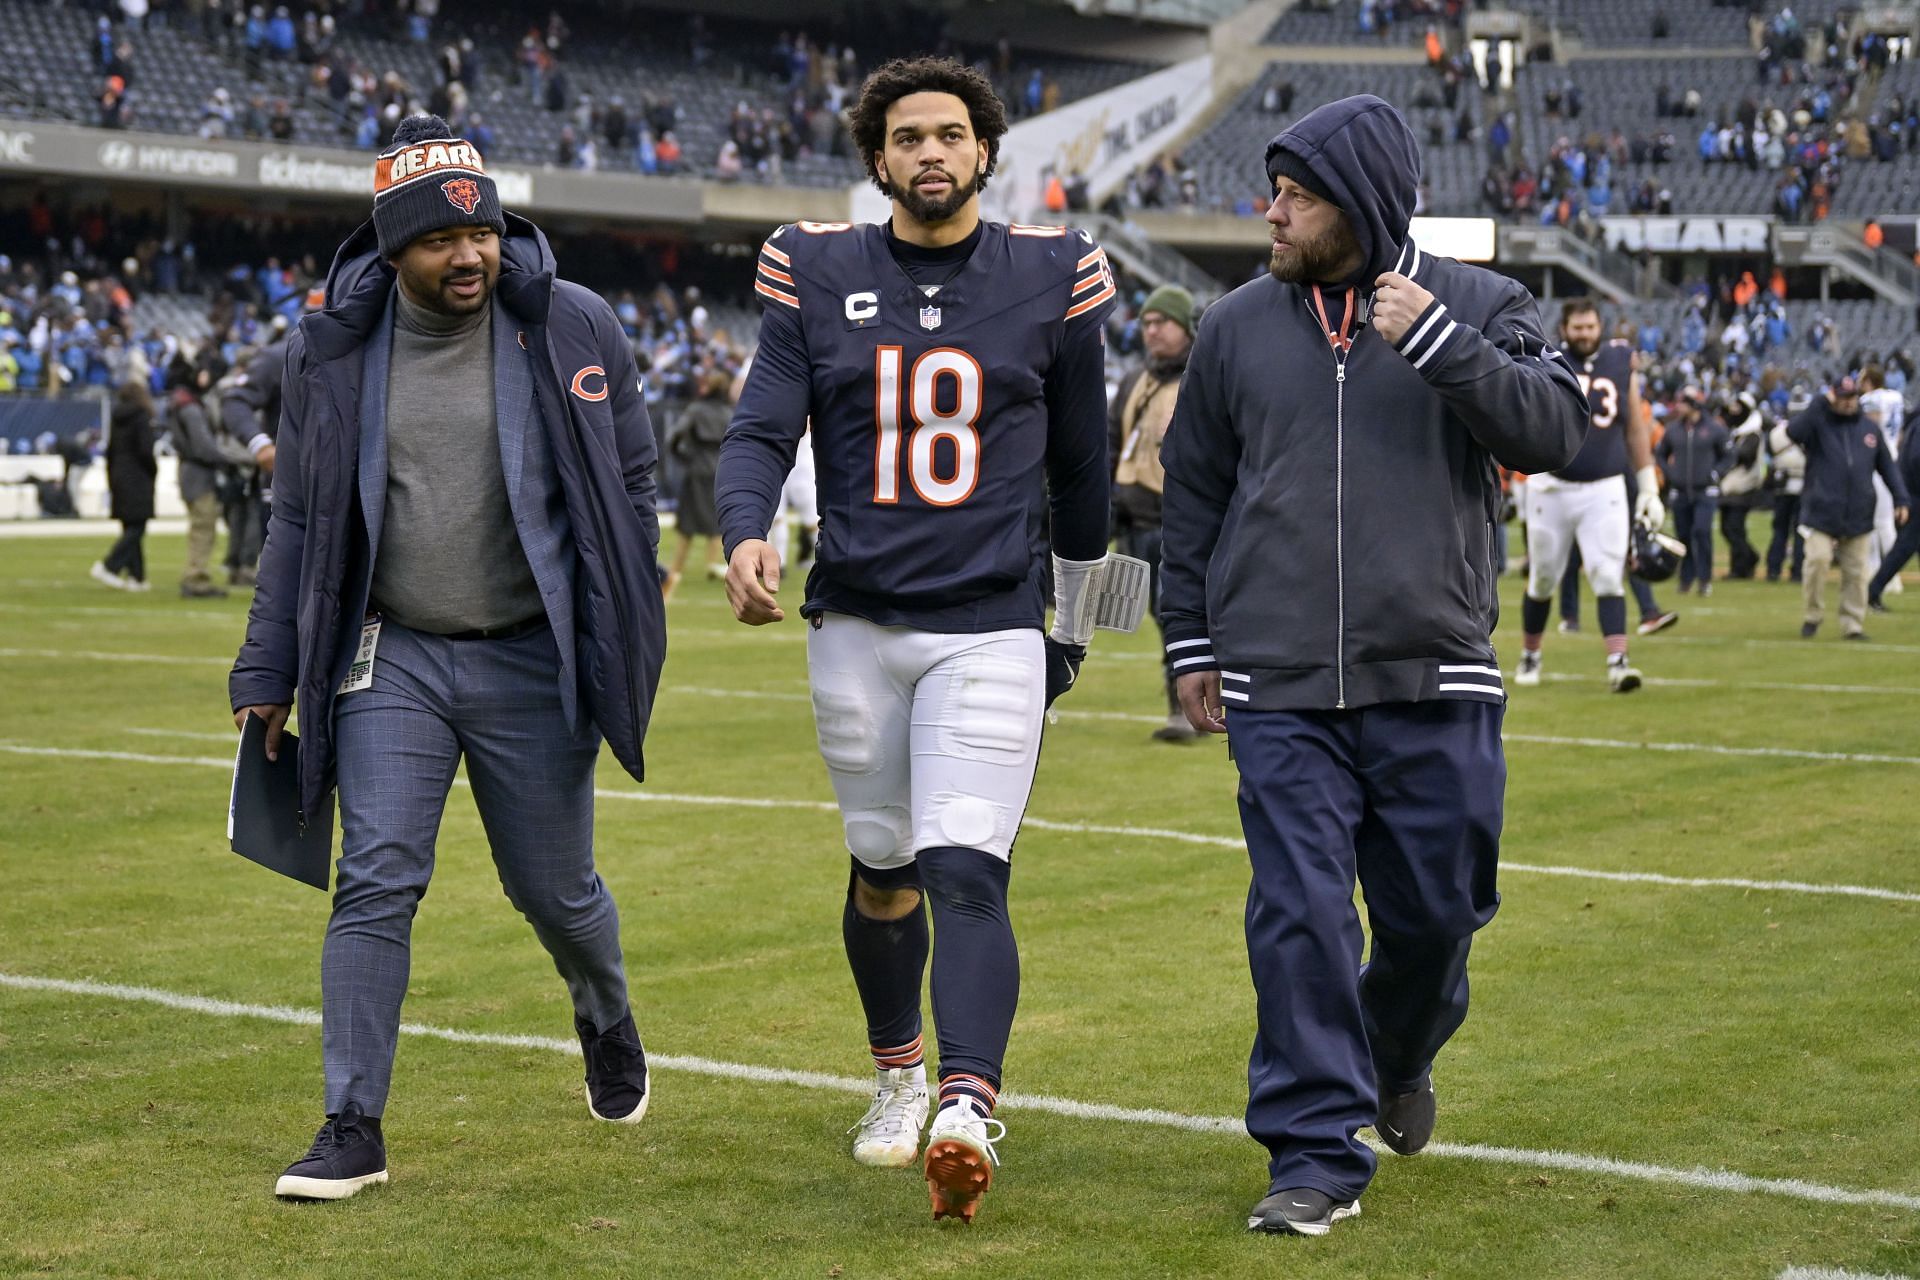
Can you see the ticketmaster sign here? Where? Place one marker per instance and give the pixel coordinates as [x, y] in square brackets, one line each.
[73, 151]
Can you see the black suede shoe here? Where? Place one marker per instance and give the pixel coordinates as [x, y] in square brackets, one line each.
[1405, 1123]
[1300, 1211]
[347, 1154]
[616, 1071]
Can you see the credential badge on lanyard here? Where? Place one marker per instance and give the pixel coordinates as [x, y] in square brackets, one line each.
[360, 674]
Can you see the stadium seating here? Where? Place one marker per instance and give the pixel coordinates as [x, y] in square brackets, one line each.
[1227, 155]
[50, 53]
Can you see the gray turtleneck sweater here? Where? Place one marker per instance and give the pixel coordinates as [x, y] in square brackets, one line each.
[450, 558]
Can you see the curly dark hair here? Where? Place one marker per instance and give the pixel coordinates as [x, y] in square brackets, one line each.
[895, 80]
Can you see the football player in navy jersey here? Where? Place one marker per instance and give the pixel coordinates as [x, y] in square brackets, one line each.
[1584, 504]
[953, 371]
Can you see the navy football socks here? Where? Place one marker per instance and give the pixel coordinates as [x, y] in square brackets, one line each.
[976, 970]
[889, 959]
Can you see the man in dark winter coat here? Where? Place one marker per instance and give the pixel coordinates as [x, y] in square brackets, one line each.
[209, 460]
[1845, 450]
[460, 562]
[1328, 599]
[131, 468]
[1694, 453]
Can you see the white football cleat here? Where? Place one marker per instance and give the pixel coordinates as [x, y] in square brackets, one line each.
[1528, 672]
[1621, 677]
[960, 1159]
[888, 1136]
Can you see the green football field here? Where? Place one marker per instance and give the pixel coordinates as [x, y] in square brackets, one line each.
[1694, 1048]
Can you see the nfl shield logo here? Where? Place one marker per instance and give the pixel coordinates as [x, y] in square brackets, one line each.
[929, 317]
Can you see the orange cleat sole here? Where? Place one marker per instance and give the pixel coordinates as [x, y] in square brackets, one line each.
[957, 1176]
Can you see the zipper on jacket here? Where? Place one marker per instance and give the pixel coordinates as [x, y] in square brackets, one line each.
[1342, 347]
[1340, 528]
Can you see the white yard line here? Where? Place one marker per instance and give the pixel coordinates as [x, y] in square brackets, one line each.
[1699, 1178]
[1164, 834]
[1533, 739]
[1782, 686]
[160, 612]
[1835, 1273]
[1710, 748]
[96, 655]
[1827, 641]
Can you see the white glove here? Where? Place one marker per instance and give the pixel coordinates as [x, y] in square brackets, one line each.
[1648, 511]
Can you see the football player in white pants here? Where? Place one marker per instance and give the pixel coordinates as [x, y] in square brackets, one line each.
[1887, 409]
[953, 371]
[1585, 503]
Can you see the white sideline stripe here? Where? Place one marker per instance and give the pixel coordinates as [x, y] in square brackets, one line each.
[1674, 682]
[1044, 824]
[1702, 1178]
[1782, 686]
[1710, 748]
[1804, 646]
[187, 735]
[1835, 1273]
[95, 655]
[161, 612]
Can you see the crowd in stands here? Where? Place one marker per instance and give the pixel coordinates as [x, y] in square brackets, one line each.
[572, 87]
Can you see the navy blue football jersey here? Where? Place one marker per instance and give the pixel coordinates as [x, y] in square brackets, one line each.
[1606, 378]
[946, 425]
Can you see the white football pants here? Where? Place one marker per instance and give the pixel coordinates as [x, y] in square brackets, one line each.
[931, 739]
[1590, 513]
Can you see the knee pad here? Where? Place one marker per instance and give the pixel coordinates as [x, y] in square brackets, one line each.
[878, 839]
[951, 818]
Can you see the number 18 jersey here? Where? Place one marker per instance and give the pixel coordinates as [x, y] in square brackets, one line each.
[945, 419]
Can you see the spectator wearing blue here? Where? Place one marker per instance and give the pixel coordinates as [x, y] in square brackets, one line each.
[1694, 454]
[1356, 672]
[463, 484]
[1845, 450]
[282, 36]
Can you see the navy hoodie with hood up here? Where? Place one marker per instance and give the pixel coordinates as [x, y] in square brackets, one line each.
[1330, 522]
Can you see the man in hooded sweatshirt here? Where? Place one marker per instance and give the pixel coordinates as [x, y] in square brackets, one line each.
[1328, 600]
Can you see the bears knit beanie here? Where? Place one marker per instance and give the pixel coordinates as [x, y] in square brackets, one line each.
[428, 179]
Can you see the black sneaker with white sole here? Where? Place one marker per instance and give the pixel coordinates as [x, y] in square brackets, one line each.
[1300, 1211]
[616, 1071]
[347, 1154]
[1405, 1122]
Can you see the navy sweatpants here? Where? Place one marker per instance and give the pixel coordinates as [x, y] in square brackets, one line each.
[1408, 797]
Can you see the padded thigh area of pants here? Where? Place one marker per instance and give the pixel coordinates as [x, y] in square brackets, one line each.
[987, 713]
[844, 721]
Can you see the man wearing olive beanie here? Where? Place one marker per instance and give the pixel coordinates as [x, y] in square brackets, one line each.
[464, 463]
[1137, 422]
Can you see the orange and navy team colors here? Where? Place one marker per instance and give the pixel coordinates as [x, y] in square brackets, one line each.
[950, 418]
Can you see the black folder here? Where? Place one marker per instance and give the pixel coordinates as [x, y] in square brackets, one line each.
[263, 812]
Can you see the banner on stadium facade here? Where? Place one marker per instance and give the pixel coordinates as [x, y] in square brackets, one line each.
[235, 165]
[1747, 234]
[1104, 138]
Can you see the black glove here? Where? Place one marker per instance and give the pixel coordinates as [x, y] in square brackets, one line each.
[1063, 667]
